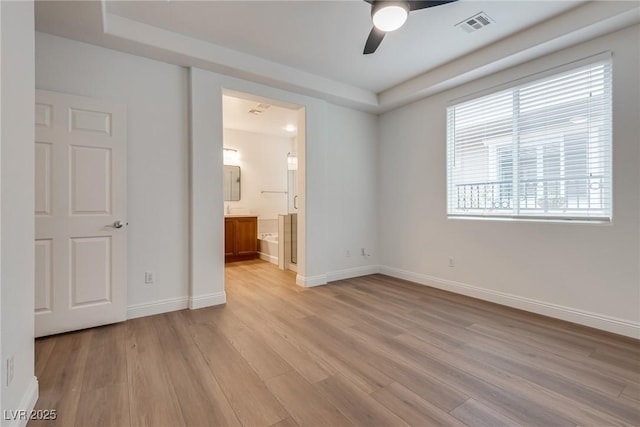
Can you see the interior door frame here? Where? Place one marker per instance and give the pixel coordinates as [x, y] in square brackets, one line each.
[206, 198]
[300, 142]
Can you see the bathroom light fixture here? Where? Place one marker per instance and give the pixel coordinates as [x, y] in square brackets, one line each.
[230, 156]
[290, 128]
[389, 16]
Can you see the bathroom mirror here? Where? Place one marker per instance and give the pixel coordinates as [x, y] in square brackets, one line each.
[231, 183]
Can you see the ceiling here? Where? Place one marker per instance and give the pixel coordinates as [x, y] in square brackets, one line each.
[327, 37]
[315, 47]
[258, 116]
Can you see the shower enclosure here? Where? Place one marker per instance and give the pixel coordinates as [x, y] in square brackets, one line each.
[292, 205]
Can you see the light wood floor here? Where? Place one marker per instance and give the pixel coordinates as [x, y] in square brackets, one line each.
[371, 351]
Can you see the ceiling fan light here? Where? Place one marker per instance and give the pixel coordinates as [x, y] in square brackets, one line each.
[389, 16]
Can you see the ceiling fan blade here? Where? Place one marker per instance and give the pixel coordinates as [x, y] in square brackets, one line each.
[417, 5]
[373, 41]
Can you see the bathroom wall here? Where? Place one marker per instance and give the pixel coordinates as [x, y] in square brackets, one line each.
[263, 167]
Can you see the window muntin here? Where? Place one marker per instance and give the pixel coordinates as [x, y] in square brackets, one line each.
[540, 150]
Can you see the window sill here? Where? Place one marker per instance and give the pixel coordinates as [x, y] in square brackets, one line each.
[593, 221]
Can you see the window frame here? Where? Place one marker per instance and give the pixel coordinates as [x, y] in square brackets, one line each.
[513, 87]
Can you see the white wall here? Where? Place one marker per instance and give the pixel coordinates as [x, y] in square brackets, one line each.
[206, 197]
[207, 205]
[352, 196]
[263, 166]
[155, 94]
[17, 212]
[328, 130]
[588, 274]
[161, 189]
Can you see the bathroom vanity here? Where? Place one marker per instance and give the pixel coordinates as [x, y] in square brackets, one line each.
[240, 237]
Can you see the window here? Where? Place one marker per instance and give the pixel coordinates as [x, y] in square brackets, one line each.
[540, 149]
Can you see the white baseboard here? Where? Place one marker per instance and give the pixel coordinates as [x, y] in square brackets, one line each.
[311, 281]
[594, 320]
[19, 417]
[323, 279]
[157, 307]
[348, 273]
[174, 304]
[207, 300]
[266, 257]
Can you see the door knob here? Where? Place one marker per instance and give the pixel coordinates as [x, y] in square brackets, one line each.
[118, 224]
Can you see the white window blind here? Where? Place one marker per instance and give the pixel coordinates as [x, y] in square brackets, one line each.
[538, 150]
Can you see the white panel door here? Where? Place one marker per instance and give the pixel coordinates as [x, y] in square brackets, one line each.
[80, 211]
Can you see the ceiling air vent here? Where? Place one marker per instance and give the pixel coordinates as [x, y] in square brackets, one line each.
[475, 23]
[260, 108]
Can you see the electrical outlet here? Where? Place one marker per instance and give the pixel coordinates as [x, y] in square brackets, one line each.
[452, 262]
[9, 370]
[149, 277]
[362, 252]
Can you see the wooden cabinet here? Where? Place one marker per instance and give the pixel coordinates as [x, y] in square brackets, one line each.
[240, 238]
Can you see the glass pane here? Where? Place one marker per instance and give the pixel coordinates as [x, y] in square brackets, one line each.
[292, 183]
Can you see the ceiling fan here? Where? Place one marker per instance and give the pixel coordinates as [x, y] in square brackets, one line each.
[389, 15]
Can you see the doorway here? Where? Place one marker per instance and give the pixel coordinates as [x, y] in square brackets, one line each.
[262, 187]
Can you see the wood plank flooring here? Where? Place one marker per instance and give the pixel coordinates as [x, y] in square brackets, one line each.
[369, 351]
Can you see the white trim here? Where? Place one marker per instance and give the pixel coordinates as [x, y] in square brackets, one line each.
[586, 318]
[267, 257]
[311, 281]
[540, 219]
[177, 48]
[173, 304]
[157, 307]
[582, 24]
[27, 403]
[348, 273]
[208, 300]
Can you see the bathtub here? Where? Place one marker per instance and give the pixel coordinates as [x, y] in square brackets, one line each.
[268, 247]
